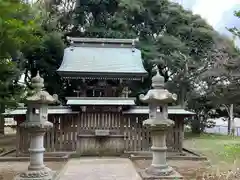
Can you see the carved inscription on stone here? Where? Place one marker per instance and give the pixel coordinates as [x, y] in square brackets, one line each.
[102, 132]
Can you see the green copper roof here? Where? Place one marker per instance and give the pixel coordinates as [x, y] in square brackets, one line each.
[102, 60]
[171, 110]
[51, 110]
[89, 101]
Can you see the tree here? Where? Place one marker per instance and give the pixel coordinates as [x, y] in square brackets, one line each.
[170, 36]
[226, 70]
[203, 108]
[16, 30]
[46, 58]
[46, 54]
[235, 30]
[221, 79]
[183, 45]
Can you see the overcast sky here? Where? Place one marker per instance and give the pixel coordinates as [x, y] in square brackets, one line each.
[218, 13]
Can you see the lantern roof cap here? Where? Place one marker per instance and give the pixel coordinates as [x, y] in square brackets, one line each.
[158, 95]
[39, 95]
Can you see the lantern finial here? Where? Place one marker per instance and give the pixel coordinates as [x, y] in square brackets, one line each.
[157, 80]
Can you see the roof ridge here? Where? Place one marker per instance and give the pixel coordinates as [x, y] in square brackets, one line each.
[102, 40]
[100, 98]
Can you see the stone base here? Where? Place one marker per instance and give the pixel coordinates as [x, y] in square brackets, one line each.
[163, 170]
[174, 175]
[44, 174]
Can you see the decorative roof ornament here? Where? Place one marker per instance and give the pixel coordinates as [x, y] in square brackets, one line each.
[57, 101]
[133, 45]
[71, 42]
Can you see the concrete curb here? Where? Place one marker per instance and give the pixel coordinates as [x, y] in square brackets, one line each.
[148, 156]
[63, 170]
[145, 157]
[22, 159]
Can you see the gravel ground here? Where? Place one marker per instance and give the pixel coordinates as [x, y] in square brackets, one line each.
[8, 170]
[187, 168]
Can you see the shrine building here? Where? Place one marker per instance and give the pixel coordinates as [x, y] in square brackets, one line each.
[101, 115]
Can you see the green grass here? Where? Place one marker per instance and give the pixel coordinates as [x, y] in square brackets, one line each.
[222, 151]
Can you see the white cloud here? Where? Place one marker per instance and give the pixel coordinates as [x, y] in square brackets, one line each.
[212, 10]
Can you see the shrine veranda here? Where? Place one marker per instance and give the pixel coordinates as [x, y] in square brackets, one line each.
[100, 116]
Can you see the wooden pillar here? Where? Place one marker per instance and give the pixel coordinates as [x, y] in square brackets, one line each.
[2, 119]
[180, 120]
[2, 124]
[17, 141]
[176, 133]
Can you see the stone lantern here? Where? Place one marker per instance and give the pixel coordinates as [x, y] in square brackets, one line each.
[37, 124]
[158, 124]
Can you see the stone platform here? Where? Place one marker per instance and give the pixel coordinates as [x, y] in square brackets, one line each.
[174, 176]
[99, 169]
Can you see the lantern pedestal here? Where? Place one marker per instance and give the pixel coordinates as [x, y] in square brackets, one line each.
[158, 124]
[159, 169]
[37, 124]
[36, 169]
